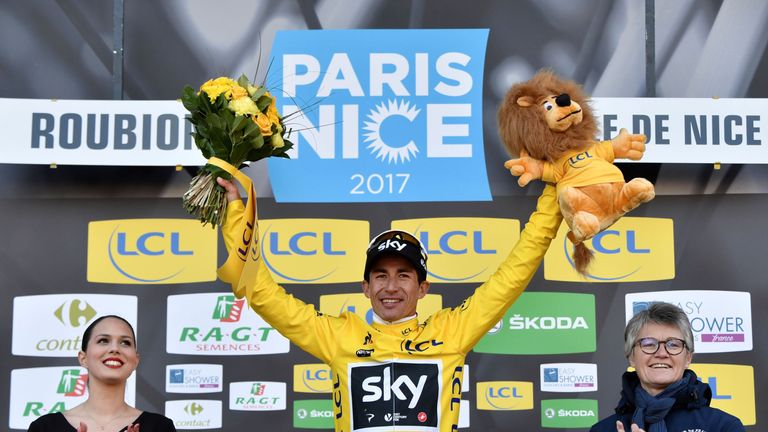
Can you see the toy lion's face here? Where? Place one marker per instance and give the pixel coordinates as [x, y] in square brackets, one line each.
[546, 116]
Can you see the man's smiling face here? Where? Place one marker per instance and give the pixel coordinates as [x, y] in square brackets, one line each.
[394, 288]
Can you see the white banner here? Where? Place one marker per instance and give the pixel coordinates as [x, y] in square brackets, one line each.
[155, 133]
[688, 130]
[721, 321]
[96, 132]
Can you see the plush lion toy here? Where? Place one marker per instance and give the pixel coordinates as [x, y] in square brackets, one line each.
[548, 123]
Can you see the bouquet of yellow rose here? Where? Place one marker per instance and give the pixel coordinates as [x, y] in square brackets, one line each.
[234, 121]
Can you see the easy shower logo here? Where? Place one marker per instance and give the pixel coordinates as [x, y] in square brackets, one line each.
[463, 250]
[193, 378]
[568, 377]
[151, 251]
[544, 323]
[303, 251]
[634, 249]
[721, 320]
[391, 123]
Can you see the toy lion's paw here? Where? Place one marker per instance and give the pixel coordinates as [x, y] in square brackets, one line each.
[628, 146]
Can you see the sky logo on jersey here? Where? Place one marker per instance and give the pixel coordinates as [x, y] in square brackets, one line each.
[568, 413]
[401, 395]
[312, 378]
[634, 249]
[52, 325]
[193, 378]
[463, 249]
[314, 250]
[216, 324]
[390, 125]
[721, 320]
[193, 414]
[38, 391]
[313, 414]
[733, 388]
[504, 395]
[360, 305]
[257, 396]
[544, 323]
[151, 251]
[568, 377]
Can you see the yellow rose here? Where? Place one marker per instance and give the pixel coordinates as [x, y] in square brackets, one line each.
[237, 92]
[264, 124]
[277, 140]
[243, 106]
[213, 88]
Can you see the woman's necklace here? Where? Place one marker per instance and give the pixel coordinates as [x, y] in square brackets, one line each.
[104, 425]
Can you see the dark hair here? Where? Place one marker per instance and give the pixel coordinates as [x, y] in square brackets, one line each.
[89, 330]
[400, 243]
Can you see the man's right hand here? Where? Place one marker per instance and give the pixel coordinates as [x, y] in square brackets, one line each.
[230, 188]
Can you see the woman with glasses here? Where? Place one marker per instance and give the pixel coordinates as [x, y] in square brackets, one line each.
[662, 394]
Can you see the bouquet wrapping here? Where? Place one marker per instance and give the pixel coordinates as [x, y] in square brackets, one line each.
[236, 122]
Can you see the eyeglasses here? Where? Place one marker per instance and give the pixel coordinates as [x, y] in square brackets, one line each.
[649, 345]
[398, 235]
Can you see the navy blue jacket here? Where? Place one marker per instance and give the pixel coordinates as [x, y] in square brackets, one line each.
[691, 411]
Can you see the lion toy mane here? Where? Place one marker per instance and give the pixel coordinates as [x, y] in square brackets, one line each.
[548, 125]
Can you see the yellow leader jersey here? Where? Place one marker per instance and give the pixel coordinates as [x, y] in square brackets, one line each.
[405, 376]
[584, 167]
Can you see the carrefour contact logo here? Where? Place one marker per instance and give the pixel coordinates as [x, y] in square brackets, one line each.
[380, 115]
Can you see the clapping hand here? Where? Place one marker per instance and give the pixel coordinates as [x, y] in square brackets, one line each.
[620, 427]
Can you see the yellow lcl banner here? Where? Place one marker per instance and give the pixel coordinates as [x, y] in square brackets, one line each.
[151, 251]
[634, 249]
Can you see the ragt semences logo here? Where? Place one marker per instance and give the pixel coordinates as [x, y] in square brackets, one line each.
[39, 391]
[218, 324]
[390, 123]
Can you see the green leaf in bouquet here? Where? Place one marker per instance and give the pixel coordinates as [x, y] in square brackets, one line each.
[251, 129]
[227, 119]
[243, 81]
[260, 91]
[204, 145]
[189, 99]
[263, 102]
[256, 141]
[239, 124]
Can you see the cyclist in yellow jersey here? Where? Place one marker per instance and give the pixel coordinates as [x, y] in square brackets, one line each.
[401, 372]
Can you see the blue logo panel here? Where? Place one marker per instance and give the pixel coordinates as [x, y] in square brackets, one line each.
[380, 115]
